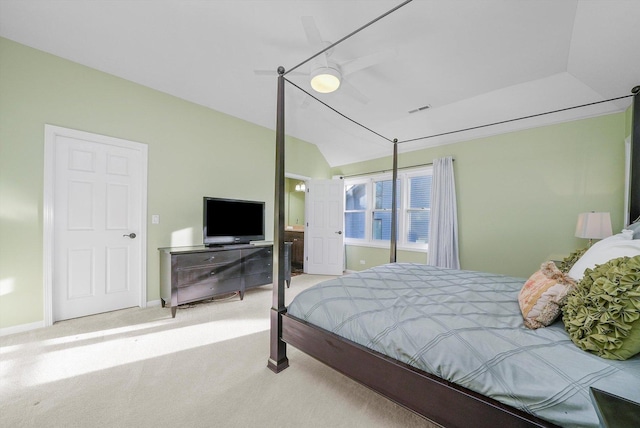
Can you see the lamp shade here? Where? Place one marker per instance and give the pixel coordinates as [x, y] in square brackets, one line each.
[593, 225]
[325, 80]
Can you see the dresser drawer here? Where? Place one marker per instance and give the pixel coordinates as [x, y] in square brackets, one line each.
[257, 260]
[210, 289]
[257, 253]
[212, 273]
[206, 258]
[256, 280]
[258, 265]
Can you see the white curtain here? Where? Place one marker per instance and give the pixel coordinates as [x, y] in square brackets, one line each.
[443, 229]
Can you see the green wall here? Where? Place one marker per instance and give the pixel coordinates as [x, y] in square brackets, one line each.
[628, 120]
[193, 151]
[360, 257]
[519, 194]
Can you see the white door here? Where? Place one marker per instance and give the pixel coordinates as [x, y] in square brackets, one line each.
[98, 220]
[324, 237]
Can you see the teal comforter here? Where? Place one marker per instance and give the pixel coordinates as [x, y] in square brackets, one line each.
[466, 327]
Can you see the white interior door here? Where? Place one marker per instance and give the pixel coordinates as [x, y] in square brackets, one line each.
[98, 224]
[324, 237]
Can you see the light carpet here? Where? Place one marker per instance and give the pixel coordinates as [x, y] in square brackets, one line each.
[205, 368]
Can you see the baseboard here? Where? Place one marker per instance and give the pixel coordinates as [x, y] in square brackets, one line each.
[34, 325]
[21, 328]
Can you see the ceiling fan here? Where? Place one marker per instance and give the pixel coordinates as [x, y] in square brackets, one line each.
[327, 74]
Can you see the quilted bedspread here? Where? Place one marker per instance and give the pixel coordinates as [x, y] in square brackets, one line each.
[466, 327]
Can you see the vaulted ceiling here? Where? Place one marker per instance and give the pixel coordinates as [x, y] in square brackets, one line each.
[471, 62]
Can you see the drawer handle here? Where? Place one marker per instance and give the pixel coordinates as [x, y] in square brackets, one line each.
[210, 258]
[213, 272]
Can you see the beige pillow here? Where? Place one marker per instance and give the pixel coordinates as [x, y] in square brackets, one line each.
[543, 295]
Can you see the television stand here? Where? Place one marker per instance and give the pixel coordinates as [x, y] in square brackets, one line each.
[190, 274]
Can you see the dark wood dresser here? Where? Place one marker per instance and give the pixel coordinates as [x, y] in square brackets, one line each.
[189, 274]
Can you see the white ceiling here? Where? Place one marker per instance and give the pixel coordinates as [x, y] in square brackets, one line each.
[473, 61]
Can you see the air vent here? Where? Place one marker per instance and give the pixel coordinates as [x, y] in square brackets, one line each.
[428, 106]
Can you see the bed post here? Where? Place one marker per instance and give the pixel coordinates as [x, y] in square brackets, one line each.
[634, 179]
[278, 349]
[394, 215]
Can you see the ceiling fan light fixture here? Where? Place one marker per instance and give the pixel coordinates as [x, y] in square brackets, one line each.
[325, 80]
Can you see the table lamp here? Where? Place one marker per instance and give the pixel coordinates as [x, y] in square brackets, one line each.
[593, 225]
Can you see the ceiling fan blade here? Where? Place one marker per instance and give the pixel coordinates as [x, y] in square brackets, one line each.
[312, 32]
[367, 61]
[351, 91]
[315, 39]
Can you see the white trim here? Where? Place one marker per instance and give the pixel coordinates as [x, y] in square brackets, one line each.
[50, 134]
[296, 176]
[48, 225]
[21, 328]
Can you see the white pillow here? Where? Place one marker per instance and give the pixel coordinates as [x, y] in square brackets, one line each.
[615, 246]
[627, 233]
[635, 227]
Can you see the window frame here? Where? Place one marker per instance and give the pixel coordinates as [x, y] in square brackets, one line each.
[367, 220]
[402, 209]
[371, 209]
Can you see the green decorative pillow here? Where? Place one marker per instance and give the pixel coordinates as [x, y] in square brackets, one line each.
[602, 314]
[568, 262]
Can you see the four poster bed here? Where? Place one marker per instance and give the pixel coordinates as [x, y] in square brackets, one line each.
[447, 344]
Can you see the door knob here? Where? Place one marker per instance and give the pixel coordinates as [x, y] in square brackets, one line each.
[339, 232]
[131, 235]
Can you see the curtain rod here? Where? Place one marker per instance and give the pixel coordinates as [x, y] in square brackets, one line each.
[348, 36]
[387, 170]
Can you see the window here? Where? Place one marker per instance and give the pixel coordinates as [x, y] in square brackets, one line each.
[355, 211]
[419, 209]
[367, 216]
[382, 209]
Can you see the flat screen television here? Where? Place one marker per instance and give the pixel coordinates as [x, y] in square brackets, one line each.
[232, 221]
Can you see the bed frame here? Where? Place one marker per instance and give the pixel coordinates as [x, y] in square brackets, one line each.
[435, 399]
[429, 396]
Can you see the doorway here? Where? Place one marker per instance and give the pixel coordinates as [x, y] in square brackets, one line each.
[295, 193]
[324, 241]
[94, 224]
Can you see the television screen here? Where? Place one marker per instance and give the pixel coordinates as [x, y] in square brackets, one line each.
[232, 221]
